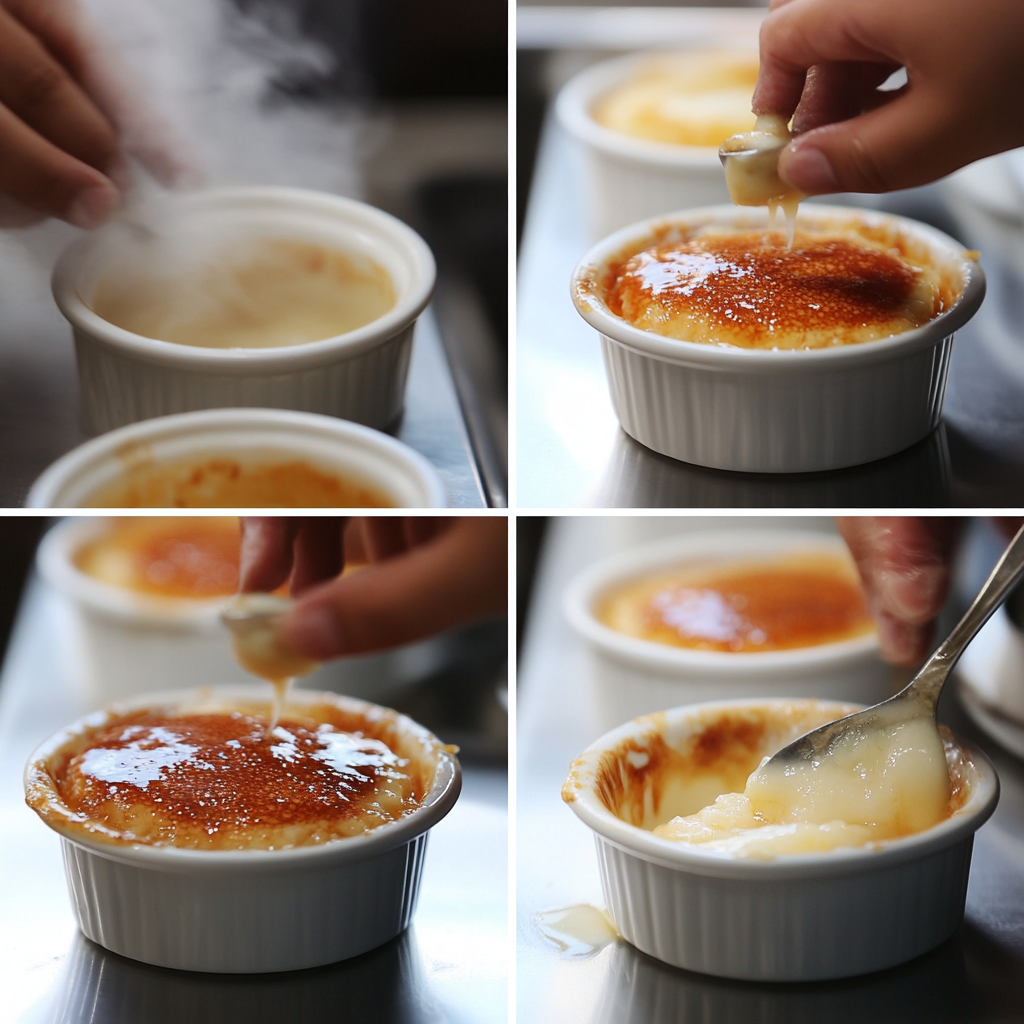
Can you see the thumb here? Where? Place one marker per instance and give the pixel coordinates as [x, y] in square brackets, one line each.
[901, 144]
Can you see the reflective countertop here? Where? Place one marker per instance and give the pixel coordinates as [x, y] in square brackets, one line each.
[39, 381]
[976, 976]
[450, 967]
[572, 452]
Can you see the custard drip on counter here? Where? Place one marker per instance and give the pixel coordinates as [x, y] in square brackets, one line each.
[222, 781]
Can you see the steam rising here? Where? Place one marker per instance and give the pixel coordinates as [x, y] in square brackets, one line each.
[190, 84]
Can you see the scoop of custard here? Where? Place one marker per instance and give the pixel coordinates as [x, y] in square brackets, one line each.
[761, 605]
[744, 289]
[873, 787]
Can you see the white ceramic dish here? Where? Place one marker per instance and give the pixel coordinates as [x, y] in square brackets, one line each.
[360, 453]
[120, 643]
[254, 911]
[990, 675]
[776, 411]
[632, 677]
[358, 376]
[806, 917]
[628, 178]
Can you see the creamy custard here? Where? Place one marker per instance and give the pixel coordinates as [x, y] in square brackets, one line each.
[687, 99]
[800, 600]
[839, 284]
[751, 170]
[166, 556]
[217, 779]
[261, 293]
[706, 787]
[227, 482]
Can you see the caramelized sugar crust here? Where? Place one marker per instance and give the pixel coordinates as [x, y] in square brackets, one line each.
[219, 781]
[780, 604]
[224, 482]
[170, 556]
[749, 290]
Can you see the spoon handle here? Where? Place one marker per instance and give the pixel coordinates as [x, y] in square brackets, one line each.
[1009, 570]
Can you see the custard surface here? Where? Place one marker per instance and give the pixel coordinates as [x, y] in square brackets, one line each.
[800, 600]
[221, 780]
[704, 784]
[687, 99]
[167, 556]
[259, 293]
[746, 289]
[226, 482]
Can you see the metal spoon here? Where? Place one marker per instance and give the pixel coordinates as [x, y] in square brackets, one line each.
[918, 699]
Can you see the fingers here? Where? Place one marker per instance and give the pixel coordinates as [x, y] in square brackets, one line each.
[904, 563]
[266, 560]
[458, 576]
[317, 551]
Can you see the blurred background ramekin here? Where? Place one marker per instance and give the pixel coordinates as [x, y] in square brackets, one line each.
[798, 917]
[774, 411]
[334, 446]
[256, 911]
[358, 376]
[630, 178]
[632, 677]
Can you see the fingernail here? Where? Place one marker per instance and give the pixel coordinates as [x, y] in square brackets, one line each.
[93, 206]
[120, 174]
[313, 632]
[902, 644]
[807, 169]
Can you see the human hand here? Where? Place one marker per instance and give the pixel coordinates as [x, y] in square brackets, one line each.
[65, 107]
[822, 61]
[425, 575]
[904, 564]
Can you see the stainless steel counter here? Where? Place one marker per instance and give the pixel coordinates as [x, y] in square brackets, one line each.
[976, 976]
[450, 966]
[572, 452]
[39, 381]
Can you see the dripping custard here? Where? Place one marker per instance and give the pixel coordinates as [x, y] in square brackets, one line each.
[216, 777]
[841, 283]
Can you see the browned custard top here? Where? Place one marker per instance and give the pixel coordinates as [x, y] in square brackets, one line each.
[773, 605]
[747, 289]
[220, 780]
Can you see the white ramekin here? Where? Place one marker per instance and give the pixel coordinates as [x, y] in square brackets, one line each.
[805, 917]
[254, 911]
[631, 179]
[771, 411]
[358, 376]
[119, 642]
[633, 677]
[361, 454]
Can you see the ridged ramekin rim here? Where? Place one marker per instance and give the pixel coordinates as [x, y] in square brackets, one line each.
[771, 361]
[413, 463]
[435, 805]
[632, 563]
[253, 361]
[688, 859]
